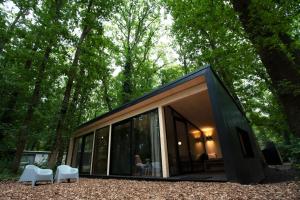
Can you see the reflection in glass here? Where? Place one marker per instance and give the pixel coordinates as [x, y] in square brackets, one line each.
[135, 146]
[87, 154]
[100, 151]
[197, 148]
[183, 146]
[146, 145]
[76, 152]
[82, 153]
[120, 157]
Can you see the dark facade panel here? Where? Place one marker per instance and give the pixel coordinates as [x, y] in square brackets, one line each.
[242, 157]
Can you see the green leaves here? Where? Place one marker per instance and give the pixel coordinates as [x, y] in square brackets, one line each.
[210, 32]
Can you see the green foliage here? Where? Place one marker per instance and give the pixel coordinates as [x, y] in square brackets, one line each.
[210, 32]
[5, 164]
[6, 175]
[122, 49]
[291, 151]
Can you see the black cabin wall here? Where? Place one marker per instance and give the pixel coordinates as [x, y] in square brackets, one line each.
[228, 117]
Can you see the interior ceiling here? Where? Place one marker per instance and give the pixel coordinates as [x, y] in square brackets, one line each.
[196, 108]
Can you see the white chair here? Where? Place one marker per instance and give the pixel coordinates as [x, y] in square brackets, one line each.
[64, 172]
[33, 174]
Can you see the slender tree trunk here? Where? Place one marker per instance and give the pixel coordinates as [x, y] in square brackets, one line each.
[185, 67]
[106, 95]
[35, 99]
[282, 69]
[73, 108]
[82, 103]
[65, 104]
[78, 88]
[61, 151]
[127, 83]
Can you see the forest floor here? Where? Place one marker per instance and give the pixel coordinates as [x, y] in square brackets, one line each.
[132, 189]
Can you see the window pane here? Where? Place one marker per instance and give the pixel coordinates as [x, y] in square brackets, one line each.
[183, 146]
[87, 153]
[245, 143]
[120, 149]
[135, 146]
[100, 151]
[76, 152]
[146, 145]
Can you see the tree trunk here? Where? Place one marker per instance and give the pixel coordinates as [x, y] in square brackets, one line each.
[72, 111]
[61, 151]
[127, 83]
[106, 95]
[185, 67]
[35, 99]
[65, 104]
[282, 69]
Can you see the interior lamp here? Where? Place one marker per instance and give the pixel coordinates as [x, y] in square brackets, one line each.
[208, 131]
[197, 135]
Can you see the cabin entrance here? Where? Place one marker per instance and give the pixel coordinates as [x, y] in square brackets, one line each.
[192, 142]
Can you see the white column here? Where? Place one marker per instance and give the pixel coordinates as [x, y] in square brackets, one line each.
[108, 155]
[92, 157]
[163, 143]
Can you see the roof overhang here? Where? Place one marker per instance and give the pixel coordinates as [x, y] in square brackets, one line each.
[187, 85]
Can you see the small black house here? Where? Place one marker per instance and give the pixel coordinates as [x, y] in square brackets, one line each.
[191, 128]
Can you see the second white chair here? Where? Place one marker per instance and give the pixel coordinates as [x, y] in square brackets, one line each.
[64, 172]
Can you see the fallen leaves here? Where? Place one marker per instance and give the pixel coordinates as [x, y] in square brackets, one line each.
[129, 189]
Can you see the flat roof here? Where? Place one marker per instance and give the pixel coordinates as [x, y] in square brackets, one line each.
[153, 93]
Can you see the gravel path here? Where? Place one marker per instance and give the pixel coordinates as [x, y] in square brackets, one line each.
[128, 189]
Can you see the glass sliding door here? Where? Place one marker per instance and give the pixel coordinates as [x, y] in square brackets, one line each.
[87, 146]
[100, 151]
[183, 146]
[82, 153]
[120, 154]
[76, 152]
[135, 146]
[146, 145]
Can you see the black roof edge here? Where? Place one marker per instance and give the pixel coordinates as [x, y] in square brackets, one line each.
[154, 92]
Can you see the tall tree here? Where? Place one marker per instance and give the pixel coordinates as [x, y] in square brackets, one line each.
[208, 32]
[55, 13]
[137, 23]
[93, 14]
[270, 27]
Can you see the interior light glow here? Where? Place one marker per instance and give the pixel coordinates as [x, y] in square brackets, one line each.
[196, 134]
[208, 131]
[179, 143]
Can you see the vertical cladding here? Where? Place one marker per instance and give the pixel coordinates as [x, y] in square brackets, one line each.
[229, 119]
